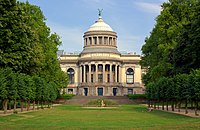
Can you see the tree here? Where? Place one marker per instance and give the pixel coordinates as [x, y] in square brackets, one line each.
[186, 54]
[158, 48]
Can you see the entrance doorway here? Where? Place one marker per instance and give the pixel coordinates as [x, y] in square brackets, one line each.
[130, 91]
[100, 91]
[85, 91]
[114, 91]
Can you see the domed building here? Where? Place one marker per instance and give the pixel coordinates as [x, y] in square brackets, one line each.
[100, 69]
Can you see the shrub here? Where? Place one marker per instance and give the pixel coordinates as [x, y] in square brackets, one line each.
[66, 96]
[137, 96]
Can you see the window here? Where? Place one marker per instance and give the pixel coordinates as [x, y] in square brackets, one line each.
[90, 39]
[70, 73]
[92, 78]
[100, 68]
[95, 40]
[100, 40]
[105, 40]
[110, 40]
[129, 76]
[100, 78]
[86, 41]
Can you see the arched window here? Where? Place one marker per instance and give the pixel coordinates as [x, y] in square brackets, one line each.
[129, 76]
[70, 73]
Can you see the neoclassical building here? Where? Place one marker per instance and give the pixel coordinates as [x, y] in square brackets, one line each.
[100, 69]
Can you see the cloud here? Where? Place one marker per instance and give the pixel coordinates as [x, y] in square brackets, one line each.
[148, 7]
[71, 37]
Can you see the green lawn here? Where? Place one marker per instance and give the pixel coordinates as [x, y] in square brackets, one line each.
[74, 117]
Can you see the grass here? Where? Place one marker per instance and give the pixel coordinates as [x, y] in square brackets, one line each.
[74, 117]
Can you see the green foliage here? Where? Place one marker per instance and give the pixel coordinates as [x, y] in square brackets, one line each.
[66, 96]
[29, 68]
[180, 88]
[137, 96]
[173, 44]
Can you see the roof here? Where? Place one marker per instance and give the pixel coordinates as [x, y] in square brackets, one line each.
[100, 25]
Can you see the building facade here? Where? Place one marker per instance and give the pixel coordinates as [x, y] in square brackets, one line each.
[100, 69]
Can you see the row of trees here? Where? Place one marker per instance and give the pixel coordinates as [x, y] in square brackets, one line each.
[172, 49]
[24, 88]
[29, 66]
[177, 90]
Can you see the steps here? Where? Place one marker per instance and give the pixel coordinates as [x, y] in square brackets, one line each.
[118, 99]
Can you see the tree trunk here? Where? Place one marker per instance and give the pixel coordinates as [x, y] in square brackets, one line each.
[179, 106]
[186, 107]
[149, 103]
[163, 105]
[158, 105]
[38, 104]
[28, 106]
[167, 105]
[175, 104]
[34, 105]
[5, 105]
[172, 105]
[154, 104]
[22, 106]
[15, 105]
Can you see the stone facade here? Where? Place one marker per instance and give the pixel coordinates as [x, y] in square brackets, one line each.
[100, 69]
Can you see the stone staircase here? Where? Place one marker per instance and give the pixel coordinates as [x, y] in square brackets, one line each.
[117, 99]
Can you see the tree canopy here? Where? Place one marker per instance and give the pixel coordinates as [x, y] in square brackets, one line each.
[28, 54]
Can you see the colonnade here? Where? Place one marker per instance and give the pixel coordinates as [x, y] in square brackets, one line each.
[100, 73]
[100, 40]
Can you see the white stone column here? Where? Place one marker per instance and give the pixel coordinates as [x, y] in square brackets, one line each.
[119, 73]
[80, 75]
[84, 73]
[116, 73]
[89, 80]
[84, 41]
[96, 73]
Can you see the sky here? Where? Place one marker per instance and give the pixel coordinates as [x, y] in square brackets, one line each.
[132, 20]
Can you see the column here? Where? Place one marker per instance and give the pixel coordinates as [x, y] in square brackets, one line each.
[80, 76]
[104, 74]
[116, 73]
[84, 73]
[84, 41]
[119, 73]
[111, 76]
[89, 80]
[96, 73]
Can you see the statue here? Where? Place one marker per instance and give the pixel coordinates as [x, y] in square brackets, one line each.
[100, 11]
[102, 103]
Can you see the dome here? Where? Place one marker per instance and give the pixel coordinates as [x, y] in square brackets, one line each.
[100, 25]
